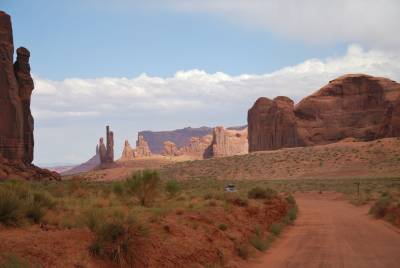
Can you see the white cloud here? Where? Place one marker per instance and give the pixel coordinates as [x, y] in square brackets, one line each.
[369, 22]
[76, 110]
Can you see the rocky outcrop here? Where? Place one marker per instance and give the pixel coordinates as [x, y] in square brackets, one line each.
[16, 121]
[106, 151]
[142, 148]
[170, 149]
[272, 125]
[127, 152]
[352, 106]
[228, 142]
[198, 147]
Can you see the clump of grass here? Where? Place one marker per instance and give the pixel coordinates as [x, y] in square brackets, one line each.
[13, 261]
[222, 227]
[18, 202]
[381, 206]
[143, 184]
[261, 193]
[276, 228]
[172, 187]
[243, 251]
[10, 206]
[115, 237]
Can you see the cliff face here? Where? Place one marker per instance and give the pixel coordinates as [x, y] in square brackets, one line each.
[12, 120]
[16, 121]
[358, 106]
[228, 142]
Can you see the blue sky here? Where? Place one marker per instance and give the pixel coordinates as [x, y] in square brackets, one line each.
[167, 64]
[80, 38]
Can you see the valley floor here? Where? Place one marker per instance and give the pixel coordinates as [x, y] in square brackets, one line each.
[333, 233]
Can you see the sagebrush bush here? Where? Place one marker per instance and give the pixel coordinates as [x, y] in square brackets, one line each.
[276, 228]
[10, 207]
[243, 251]
[380, 208]
[115, 240]
[144, 184]
[261, 193]
[18, 201]
[172, 187]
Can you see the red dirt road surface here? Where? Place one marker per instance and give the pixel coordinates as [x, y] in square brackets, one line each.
[330, 232]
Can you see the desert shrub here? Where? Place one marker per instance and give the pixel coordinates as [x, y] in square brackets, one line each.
[118, 188]
[276, 228]
[143, 184]
[222, 227]
[10, 206]
[208, 196]
[291, 200]
[172, 187]
[115, 240]
[243, 251]
[13, 262]
[260, 193]
[237, 201]
[292, 213]
[380, 208]
[257, 242]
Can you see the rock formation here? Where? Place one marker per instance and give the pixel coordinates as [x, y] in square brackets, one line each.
[198, 147]
[127, 152]
[352, 106]
[142, 148]
[272, 125]
[228, 142]
[106, 151]
[170, 149]
[16, 121]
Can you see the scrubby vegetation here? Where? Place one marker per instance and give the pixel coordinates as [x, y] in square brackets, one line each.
[387, 207]
[122, 216]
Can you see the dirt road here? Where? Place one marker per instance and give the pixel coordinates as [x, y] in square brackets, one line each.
[333, 233]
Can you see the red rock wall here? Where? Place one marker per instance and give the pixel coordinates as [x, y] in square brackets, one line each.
[16, 85]
[228, 142]
[352, 106]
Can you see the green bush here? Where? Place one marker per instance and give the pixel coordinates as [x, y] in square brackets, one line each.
[118, 188]
[172, 187]
[276, 228]
[243, 251]
[115, 240]
[260, 193]
[379, 209]
[13, 262]
[10, 206]
[257, 242]
[222, 227]
[144, 184]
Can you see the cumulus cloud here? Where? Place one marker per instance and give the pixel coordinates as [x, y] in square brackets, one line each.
[76, 110]
[369, 22]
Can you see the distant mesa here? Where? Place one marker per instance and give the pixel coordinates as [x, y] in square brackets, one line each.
[355, 106]
[16, 121]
